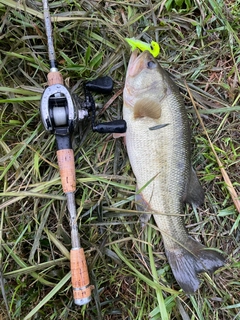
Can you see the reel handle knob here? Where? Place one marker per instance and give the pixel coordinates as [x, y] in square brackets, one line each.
[100, 85]
[116, 126]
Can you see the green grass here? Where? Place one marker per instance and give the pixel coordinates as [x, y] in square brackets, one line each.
[200, 48]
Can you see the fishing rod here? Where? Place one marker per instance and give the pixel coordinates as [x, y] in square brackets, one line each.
[61, 114]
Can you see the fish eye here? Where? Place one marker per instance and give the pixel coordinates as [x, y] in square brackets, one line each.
[151, 64]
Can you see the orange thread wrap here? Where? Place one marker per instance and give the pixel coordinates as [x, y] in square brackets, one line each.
[55, 78]
[79, 272]
[67, 169]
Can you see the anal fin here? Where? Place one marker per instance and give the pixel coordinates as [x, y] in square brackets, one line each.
[142, 205]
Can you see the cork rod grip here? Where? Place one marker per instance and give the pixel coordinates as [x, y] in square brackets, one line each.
[80, 278]
[67, 169]
[54, 78]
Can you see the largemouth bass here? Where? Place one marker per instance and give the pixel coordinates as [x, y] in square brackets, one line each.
[158, 146]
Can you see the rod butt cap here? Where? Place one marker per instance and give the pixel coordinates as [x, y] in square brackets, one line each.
[81, 302]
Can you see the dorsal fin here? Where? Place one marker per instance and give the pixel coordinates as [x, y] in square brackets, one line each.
[147, 108]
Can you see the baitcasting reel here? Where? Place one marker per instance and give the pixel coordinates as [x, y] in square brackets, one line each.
[61, 114]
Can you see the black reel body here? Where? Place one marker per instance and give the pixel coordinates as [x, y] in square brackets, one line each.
[61, 112]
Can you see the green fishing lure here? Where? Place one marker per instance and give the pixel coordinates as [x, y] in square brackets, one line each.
[153, 48]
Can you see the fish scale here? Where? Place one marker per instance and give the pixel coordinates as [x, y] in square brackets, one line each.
[149, 145]
[161, 163]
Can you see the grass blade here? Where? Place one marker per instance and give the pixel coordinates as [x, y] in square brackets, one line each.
[49, 296]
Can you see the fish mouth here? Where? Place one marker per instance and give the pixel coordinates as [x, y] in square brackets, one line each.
[138, 62]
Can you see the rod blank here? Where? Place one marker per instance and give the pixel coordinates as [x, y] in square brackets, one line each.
[48, 28]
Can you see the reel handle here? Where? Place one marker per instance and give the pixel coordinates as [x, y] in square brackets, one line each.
[116, 126]
[100, 85]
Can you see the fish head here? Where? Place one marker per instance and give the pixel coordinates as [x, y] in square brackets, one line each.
[139, 64]
[144, 78]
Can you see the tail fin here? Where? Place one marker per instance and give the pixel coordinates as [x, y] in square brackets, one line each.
[190, 259]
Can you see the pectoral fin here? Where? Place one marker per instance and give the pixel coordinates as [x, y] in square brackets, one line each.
[194, 193]
[147, 108]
